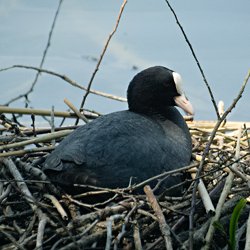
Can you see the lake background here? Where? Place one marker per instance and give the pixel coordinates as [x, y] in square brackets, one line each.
[147, 35]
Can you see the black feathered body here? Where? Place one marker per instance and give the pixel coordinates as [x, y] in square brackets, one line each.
[110, 150]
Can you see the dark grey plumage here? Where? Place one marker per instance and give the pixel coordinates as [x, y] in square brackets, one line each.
[148, 139]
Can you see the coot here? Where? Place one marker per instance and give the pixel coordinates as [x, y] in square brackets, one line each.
[147, 139]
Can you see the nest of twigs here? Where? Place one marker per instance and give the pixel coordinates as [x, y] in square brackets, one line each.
[35, 214]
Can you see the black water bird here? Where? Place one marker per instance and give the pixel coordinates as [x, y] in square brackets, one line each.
[147, 139]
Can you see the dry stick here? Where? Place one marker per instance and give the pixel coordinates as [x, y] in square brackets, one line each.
[196, 59]
[41, 112]
[64, 239]
[207, 126]
[205, 153]
[101, 56]
[64, 114]
[43, 58]
[203, 193]
[146, 213]
[37, 172]
[5, 193]
[137, 238]
[52, 124]
[19, 181]
[141, 184]
[154, 245]
[12, 239]
[29, 198]
[26, 151]
[160, 216]
[68, 80]
[44, 138]
[244, 176]
[109, 223]
[224, 194]
[76, 111]
[43, 219]
[164, 174]
[99, 214]
[123, 227]
[57, 205]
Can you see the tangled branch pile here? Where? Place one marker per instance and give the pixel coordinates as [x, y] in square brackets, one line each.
[34, 214]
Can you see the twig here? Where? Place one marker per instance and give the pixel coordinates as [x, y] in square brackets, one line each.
[101, 56]
[76, 111]
[196, 59]
[57, 205]
[5, 193]
[20, 182]
[43, 219]
[154, 245]
[79, 203]
[123, 229]
[161, 219]
[29, 198]
[137, 238]
[207, 126]
[164, 174]
[205, 153]
[42, 112]
[35, 140]
[38, 173]
[146, 213]
[43, 58]
[109, 223]
[55, 246]
[204, 194]
[12, 239]
[68, 80]
[52, 124]
[29, 168]
[139, 185]
[26, 151]
[224, 194]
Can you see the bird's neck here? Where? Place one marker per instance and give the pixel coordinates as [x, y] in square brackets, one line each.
[159, 113]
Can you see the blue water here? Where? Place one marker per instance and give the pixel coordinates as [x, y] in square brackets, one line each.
[147, 35]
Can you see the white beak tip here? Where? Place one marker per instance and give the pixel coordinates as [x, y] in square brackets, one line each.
[182, 102]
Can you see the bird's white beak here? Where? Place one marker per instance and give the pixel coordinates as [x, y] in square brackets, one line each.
[182, 102]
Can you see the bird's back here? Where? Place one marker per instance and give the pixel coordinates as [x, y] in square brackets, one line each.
[111, 149]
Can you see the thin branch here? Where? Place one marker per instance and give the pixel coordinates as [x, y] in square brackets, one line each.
[160, 217]
[101, 56]
[43, 112]
[20, 181]
[196, 59]
[137, 237]
[223, 196]
[12, 239]
[43, 219]
[68, 80]
[26, 151]
[205, 153]
[57, 205]
[207, 202]
[25, 95]
[45, 138]
[76, 111]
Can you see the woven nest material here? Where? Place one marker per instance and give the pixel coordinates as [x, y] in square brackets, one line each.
[35, 214]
